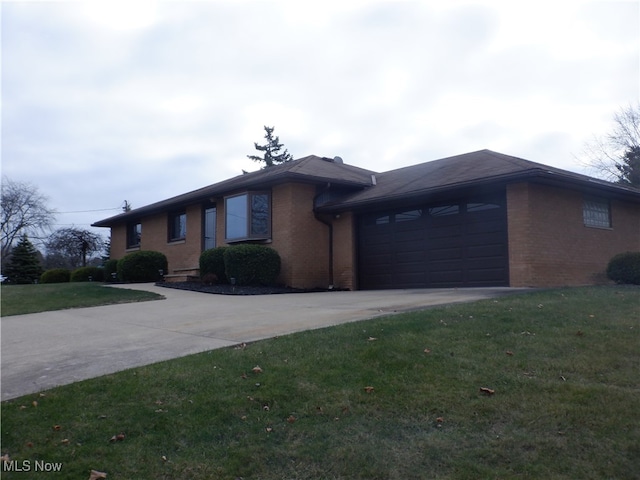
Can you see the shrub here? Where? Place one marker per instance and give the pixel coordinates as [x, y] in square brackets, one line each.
[212, 262]
[110, 267]
[56, 275]
[625, 268]
[86, 274]
[252, 264]
[143, 266]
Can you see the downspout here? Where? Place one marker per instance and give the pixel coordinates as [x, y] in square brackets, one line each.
[330, 227]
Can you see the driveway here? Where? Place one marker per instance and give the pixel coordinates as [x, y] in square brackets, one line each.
[43, 350]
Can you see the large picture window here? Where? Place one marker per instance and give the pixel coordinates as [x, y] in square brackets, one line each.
[177, 226]
[248, 216]
[596, 213]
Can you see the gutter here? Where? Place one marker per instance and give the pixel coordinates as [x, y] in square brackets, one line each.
[330, 227]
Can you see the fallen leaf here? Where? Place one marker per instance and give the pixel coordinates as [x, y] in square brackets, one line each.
[29, 444]
[439, 420]
[57, 428]
[164, 458]
[265, 408]
[23, 407]
[580, 333]
[372, 339]
[96, 475]
[65, 441]
[368, 389]
[256, 369]
[117, 438]
[427, 350]
[158, 402]
[34, 403]
[269, 429]
[291, 419]
[487, 391]
[5, 458]
[509, 352]
[243, 376]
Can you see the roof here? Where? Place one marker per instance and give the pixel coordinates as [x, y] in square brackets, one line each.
[474, 169]
[468, 170]
[310, 169]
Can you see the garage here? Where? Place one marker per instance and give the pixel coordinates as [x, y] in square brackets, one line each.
[461, 243]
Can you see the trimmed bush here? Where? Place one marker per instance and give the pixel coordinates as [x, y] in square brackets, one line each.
[212, 262]
[110, 267]
[252, 264]
[56, 275]
[625, 268]
[82, 274]
[143, 266]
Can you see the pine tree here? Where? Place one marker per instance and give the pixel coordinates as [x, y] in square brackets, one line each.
[272, 155]
[24, 265]
[629, 168]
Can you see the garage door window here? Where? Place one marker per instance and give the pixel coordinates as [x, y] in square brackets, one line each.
[444, 210]
[479, 207]
[408, 216]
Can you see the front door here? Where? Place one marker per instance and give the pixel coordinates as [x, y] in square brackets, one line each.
[209, 228]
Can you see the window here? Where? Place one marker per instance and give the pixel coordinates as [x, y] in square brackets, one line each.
[134, 232]
[408, 216]
[596, 213]
[177, 226]
[248, 216]
[444, 210]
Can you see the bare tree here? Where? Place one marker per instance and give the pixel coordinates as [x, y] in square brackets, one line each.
[615, 155]
[24, 211]
[75, 244]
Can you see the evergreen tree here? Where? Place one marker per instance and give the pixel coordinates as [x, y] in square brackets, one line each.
[629, 168]
[24, 265]
[272, 155]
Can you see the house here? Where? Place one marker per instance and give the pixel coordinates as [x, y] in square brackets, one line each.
[477, 219]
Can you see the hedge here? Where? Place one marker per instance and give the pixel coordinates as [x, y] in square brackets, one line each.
[142, 266]
[88, 274]
[251, 264]
[110, 267]
[625, 268]
[212, 263]
[56, 275]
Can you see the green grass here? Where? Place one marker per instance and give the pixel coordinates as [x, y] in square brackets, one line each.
[21, 299]
[566, 402]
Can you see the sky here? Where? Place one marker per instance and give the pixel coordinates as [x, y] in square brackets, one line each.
[144, 100]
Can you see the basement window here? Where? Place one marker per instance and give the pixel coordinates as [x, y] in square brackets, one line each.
[248, 216]
[596, 212]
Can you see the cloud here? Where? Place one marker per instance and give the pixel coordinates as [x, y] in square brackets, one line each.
[145, 100]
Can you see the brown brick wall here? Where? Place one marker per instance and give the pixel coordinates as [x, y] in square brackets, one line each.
[181, 254]
[301, 240]
[549, 245]
[344, 252]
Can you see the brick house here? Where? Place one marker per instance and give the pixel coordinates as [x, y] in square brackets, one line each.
[478, 219]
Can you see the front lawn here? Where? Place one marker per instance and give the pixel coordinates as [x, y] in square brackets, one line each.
[21, 299]
[539, 385]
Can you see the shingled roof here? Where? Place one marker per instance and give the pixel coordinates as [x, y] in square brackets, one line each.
[310, 169]
[467, 170]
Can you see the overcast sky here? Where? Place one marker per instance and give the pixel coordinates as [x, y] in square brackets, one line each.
[143, 100]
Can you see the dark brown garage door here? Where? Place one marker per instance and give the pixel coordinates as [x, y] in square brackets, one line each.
[453, 244]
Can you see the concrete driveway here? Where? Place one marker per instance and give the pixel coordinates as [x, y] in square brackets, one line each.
[43, 350]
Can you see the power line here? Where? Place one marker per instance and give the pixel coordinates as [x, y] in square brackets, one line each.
[90, 211]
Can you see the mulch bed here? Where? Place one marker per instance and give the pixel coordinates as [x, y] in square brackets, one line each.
[231, 289]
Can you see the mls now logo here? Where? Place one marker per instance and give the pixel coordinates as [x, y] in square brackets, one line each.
[29, 466]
